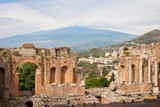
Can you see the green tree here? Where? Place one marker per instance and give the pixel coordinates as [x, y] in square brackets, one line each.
[112, 77]
[27, 77]
[97, 83]
[87, 70]
[106, 70]
[104, 82]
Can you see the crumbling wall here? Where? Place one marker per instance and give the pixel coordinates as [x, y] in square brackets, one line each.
[65, 90]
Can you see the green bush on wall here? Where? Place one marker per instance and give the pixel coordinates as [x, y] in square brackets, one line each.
[16, 53]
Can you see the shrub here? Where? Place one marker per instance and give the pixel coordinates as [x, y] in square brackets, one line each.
[126, 52]
[39, 52]
[48, 52]
[4, 54]
[16, 53]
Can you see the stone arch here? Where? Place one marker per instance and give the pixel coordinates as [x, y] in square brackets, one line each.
[15, 76]
[34, 89]
[53, 75]
[2, 82]
[24, 61]
[133, 73]
[29, 104]
[64, 74]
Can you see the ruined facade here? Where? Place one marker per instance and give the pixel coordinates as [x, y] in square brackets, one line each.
[139, 69]
[53, 66]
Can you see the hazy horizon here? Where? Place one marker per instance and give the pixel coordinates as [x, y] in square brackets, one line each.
[27, 16]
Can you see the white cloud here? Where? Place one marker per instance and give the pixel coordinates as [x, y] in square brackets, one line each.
[136, 17]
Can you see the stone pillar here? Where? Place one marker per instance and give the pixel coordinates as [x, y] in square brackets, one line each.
[130, 70]
[140, 71]
[149, 70]
[15, 83]
[121, 77]
[58, 74]
[71, 71]
[156, 74]
[155, 88]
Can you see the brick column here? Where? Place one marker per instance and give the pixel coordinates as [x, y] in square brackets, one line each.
[140, 71]
[130, 70]
[149, 70]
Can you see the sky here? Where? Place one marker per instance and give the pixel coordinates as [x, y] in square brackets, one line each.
[128, 16]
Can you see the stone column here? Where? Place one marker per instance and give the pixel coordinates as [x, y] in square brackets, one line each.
[140, 71]
[121, 77]
[130, 70]
[155, 88]
[149, 70]
[156, 74]
[58, 71]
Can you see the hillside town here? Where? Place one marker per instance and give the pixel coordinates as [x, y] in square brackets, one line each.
[104, 62]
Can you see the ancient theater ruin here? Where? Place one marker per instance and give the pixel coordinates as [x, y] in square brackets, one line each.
[54, 67]
[139, 69]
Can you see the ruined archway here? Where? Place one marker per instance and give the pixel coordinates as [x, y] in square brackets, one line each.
[27, 77]
[53, 75]
[2, 82]
[64, 74]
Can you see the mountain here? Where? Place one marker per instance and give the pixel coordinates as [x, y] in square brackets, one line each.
[147, 38]
[95, 44]
[70, 36]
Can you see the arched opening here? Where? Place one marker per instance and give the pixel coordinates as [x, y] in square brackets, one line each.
[29, 104]
[27, 79]
[2, 82]
[123, 74]
[133, 73]
[74, 76]
[143, 74]
[63, 74]
[53, 75]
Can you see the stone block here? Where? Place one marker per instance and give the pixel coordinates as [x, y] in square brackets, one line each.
[28, 45]
[27, 51]
[155, 90]
[112, 86]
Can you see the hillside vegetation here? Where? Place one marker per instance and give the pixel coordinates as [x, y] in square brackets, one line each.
[147, 38]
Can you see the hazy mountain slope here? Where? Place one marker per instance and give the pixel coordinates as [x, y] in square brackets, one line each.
[147, 38]
[70, 36]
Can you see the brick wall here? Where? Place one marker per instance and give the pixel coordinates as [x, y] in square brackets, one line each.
[67, 90]
[135, 88]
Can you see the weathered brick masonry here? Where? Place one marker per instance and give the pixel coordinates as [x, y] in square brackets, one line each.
[54, 65]
[139, 69]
